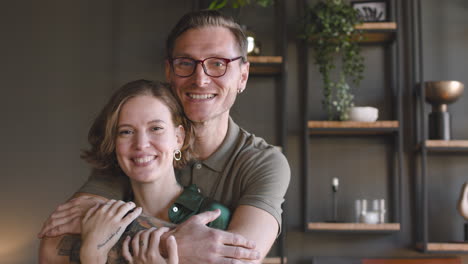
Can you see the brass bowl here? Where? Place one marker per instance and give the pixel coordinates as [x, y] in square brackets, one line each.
[443, 92]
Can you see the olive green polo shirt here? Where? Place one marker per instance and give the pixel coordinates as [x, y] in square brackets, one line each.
[245, 170]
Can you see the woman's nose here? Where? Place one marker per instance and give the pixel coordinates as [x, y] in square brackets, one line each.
[142, 141]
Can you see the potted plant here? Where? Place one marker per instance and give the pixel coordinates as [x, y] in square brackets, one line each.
[329, 27]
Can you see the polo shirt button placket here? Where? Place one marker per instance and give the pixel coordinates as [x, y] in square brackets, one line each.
[198, 166]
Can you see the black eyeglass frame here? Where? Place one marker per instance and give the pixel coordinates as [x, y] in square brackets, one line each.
[202, 62]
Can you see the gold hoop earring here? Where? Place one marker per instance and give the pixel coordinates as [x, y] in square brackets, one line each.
[177, 154]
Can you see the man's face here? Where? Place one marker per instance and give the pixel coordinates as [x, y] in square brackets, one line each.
[203, 97]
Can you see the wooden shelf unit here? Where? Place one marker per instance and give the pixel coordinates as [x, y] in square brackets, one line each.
[274, 260]
[352, 127]
[444, 247]
[447, 145]
[448, 247]
[321, 226]
[377, 32]
[265, 65]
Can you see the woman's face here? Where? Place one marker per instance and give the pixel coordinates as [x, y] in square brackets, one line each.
[146, 139]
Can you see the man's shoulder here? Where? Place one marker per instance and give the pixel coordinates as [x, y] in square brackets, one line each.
[254, 147]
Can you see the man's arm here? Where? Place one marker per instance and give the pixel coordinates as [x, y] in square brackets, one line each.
[198, 243]
[257, 225]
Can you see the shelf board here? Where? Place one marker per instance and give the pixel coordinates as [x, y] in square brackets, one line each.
[377, 26]
[276, 260]
[447, 247]
[387, 227]
[447, 145]
[378, 32]
[352, 127]
[265, 59]
[265, 65]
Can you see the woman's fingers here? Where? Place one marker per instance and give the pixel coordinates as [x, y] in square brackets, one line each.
[90, 212]
[136, 244]
[126, 250]
[144, 240]
[132, 216]
[172, 250]
[155, 237]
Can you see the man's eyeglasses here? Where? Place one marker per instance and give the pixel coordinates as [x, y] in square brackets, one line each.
[213, 66]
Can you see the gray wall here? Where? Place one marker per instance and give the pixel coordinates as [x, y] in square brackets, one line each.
[62, 59]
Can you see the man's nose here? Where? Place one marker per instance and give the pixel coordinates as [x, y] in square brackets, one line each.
[200, 77]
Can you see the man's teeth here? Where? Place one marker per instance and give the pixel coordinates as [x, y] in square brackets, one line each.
[144, 159]
[201, 96]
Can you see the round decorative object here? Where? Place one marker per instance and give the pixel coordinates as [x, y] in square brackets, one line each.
[371, 217]
[441, 93]
[363, 114]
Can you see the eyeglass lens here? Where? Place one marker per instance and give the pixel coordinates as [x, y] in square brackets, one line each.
[185, 67]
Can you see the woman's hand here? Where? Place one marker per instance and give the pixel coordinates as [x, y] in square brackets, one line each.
[145, 248]
[102, 227]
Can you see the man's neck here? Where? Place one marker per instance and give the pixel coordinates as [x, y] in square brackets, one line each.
[210, 135]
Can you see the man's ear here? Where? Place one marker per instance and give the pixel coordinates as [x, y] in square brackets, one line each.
[244, 76]
[180, 135]
[167, 70]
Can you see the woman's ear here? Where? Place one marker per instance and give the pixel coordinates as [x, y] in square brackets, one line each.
[180, 135]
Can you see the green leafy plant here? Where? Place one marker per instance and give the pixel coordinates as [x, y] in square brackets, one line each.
[218, 4]
[329, 28]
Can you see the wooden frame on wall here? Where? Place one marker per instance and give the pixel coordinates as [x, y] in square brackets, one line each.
[372, 11]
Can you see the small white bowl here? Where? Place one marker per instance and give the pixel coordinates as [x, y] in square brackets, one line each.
[363, 114]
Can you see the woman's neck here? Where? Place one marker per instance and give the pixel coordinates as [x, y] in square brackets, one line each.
[156, 197]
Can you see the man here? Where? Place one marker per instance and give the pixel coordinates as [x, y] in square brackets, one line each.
[207, 68]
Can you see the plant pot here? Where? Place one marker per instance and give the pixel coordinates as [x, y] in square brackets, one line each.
[363, 114]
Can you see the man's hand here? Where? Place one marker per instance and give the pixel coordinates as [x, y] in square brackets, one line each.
[198, 243]
[67, 217]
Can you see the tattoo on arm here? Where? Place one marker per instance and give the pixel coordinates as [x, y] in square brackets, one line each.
[70, 244]
[109, 238]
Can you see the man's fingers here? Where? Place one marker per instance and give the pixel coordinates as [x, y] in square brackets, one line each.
[126, 250]
[238, 240]
[233, 261]
[240, 253]
[52, 223]
[71, 227]
[206, 217]
[172, 250]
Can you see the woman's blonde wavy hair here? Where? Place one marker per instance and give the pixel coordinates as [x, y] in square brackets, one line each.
[103, 133]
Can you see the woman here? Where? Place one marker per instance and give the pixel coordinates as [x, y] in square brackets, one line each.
[142, 133]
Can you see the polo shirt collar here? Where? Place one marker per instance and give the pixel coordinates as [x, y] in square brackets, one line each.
[222, 155]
